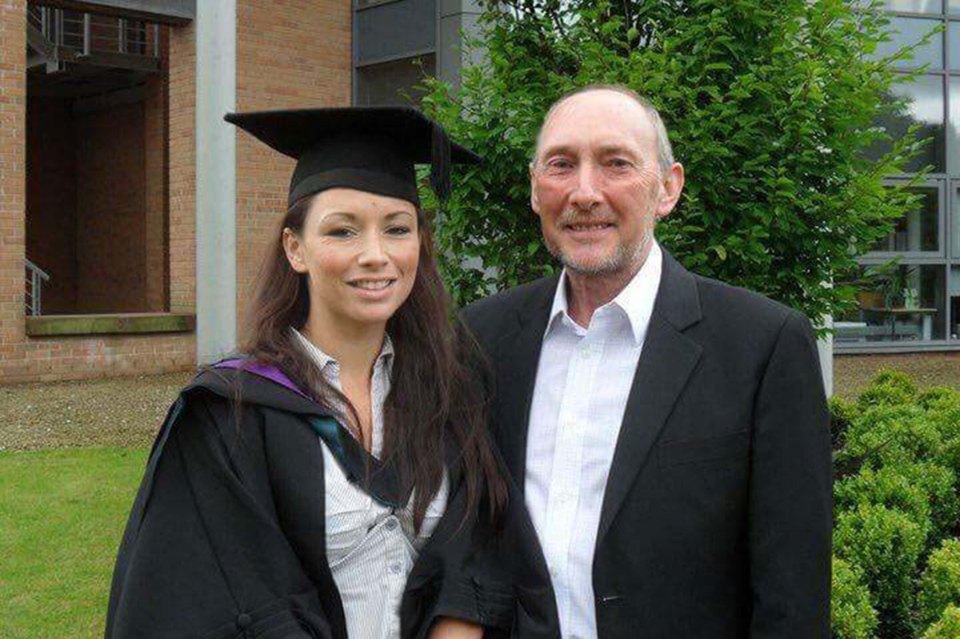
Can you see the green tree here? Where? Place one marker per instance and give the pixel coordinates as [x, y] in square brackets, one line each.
[771, 106]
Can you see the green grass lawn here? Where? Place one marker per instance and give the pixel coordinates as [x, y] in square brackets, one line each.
[62, 513]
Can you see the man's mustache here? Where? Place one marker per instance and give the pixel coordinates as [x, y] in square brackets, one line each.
[571, 217]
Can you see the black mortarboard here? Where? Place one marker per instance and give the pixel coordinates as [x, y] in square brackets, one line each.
[366, 148]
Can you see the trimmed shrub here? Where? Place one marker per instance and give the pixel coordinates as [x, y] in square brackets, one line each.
[886, 545]
[842, 413]
[948, 627]
[851, 615]
[889, 388]
[891, 434]
[940, 583]
[889, 487]
[939, 485]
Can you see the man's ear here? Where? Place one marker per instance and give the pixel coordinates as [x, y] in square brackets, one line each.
[534, 199]
[293, 248]
[672, 188]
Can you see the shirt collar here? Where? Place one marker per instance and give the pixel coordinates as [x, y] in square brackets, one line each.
[636, 299]
[323, 360]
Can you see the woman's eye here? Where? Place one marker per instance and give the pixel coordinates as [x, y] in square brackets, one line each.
[399, 230]
[340, 231]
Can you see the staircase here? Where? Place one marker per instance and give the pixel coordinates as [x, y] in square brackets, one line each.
[75, 53]
[36, 276]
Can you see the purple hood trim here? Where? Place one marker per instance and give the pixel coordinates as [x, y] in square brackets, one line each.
[272, 373]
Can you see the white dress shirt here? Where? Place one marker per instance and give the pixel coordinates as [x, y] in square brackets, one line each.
[370, 547]
[582, 384]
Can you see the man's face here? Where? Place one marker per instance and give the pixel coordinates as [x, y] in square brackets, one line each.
[596, 184]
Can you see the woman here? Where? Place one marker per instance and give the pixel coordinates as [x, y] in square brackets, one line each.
[336, 481]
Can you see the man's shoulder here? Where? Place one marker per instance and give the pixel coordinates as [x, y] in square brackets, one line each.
[736, 306]
[495, 306]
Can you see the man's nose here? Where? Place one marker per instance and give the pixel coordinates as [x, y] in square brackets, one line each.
[586, 194]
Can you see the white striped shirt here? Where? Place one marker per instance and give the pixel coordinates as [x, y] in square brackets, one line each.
[583, 380]
[370, 547]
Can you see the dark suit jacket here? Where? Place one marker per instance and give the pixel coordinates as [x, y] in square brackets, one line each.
[716, 521]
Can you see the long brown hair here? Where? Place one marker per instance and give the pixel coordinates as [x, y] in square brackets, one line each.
[435, 385]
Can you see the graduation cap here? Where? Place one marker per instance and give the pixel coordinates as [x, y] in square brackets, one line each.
[366, 148]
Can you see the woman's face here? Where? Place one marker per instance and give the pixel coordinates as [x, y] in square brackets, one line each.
[360, 253]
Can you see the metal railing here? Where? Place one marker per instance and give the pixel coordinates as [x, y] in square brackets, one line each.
[89, 33]
[36, 276]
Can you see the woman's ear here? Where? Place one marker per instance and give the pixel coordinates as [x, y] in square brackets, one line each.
[293, 248]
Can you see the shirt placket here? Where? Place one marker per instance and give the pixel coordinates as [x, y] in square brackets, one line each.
[564, 494]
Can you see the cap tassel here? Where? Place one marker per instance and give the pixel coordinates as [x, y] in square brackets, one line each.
[440, 164]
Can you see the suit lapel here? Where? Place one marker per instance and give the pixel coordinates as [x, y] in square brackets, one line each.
[666, 363]
[518, 355]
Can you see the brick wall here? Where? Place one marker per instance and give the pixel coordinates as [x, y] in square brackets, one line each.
[51, 175]
[294, 55]
[31, 359]
[12, 177]
[155, 193]
[111, 260]
[182, 177]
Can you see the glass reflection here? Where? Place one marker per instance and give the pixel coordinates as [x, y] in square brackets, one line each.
[955, 302]
[953, 57]
[955, 237]
[919, 6]
[919, 229]
[897, 303]
[924, 107]
[908, 31]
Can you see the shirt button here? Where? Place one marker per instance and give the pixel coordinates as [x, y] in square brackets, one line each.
[391, 524]
[243, 620]
[395, 568]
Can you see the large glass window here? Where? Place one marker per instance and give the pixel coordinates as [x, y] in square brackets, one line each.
[906, 31]
[955, 302]
[918, 6]
[394, 82]
[394, 48]
[919, 230]
[924, 106]
[897, 303]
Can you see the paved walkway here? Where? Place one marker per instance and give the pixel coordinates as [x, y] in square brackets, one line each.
[123, 411]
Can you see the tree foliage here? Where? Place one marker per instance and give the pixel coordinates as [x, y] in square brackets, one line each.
[771, 107]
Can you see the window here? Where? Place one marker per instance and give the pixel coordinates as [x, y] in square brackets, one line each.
[910, 282]
[395, 46]
[394, 82]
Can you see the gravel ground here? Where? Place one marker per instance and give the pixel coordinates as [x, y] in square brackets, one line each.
[127, 411]
[852, 373]
[123, 411]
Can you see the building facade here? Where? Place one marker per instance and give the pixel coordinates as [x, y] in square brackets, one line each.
[910, 299]
[133, 219]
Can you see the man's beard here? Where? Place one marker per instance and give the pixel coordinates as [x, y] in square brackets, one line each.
[623, 258]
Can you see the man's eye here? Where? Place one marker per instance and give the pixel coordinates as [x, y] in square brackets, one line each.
[619, 163]
[559, 164]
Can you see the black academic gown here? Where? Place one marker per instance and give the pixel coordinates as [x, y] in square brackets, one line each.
[227, 535]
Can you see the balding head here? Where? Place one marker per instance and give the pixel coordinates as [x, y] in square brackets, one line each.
[662, 140]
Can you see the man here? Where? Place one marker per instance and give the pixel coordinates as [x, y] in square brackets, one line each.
[669, 431]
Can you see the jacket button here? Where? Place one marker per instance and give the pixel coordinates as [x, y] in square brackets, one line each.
[243, 620]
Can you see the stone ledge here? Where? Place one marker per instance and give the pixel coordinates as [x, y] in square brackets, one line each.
[110, 324]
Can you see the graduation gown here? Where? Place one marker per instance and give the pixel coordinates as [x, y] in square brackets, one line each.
[226, 537]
